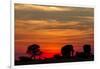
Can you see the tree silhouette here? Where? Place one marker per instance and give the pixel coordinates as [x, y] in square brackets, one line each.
[87, 51]
[67, 51]
[87, 48]
[34, 50]
[86, 54]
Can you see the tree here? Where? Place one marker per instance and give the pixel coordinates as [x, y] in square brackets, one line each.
[86, 54]
[34, 50]
[67, 51]
[87, 48]
[87, 51]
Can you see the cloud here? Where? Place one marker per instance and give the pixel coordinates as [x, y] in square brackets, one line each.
[45, 24]
[33, 12]
[35, 17]
[39, 7]
[31, 25]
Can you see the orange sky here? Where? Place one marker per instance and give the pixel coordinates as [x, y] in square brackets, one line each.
[52, 27]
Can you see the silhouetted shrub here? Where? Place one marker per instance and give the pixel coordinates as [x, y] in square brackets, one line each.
[24, 59]
[57, 56]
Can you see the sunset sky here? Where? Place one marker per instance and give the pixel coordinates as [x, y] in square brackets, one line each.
[52, 27]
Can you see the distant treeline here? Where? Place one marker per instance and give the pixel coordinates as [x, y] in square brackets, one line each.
[67, 55]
